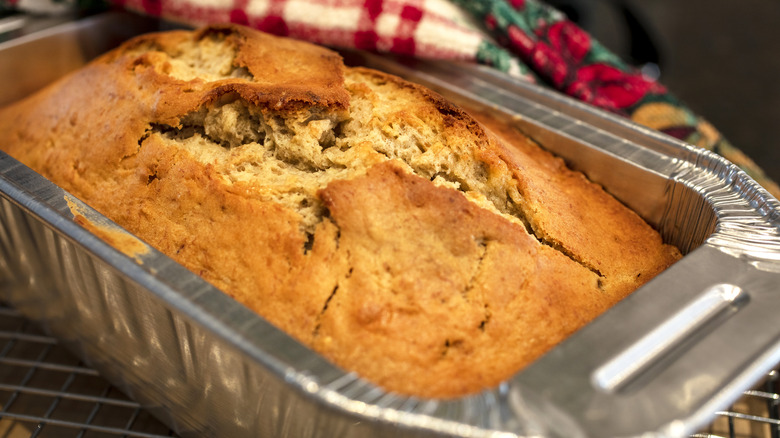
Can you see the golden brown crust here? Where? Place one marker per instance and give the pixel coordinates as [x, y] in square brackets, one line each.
[445, 303]
[432, 253]
[285, 74]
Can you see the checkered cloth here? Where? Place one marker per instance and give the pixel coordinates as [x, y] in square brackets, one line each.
[426, 28]
[524, 38]
[433, 29]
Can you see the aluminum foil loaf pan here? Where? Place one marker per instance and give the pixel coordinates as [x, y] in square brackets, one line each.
[660, 363]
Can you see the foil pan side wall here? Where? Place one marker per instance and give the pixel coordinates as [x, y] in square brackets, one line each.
[114, 325]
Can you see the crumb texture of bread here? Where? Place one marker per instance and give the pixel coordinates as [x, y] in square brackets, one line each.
[433, 252]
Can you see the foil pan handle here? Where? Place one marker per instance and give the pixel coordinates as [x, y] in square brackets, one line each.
[698, 336]
[716, 302]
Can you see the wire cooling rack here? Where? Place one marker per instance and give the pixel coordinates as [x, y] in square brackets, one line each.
[46, 392]
[756, 414]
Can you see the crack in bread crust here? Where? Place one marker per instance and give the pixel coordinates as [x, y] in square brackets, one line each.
[314, 147]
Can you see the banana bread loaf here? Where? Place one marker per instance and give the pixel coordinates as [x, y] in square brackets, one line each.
[364, 215]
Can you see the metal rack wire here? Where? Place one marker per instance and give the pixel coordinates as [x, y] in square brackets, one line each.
[46, 392]
[756, 414]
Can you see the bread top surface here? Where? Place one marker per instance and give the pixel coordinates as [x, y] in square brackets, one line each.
[366, 216]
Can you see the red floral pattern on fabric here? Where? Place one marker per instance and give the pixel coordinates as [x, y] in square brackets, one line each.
[520, 40]
[610, 88]
[557, 52]
[570, 40]
[517, 4]
[548, 61]
[554, 51]
[491, 22]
